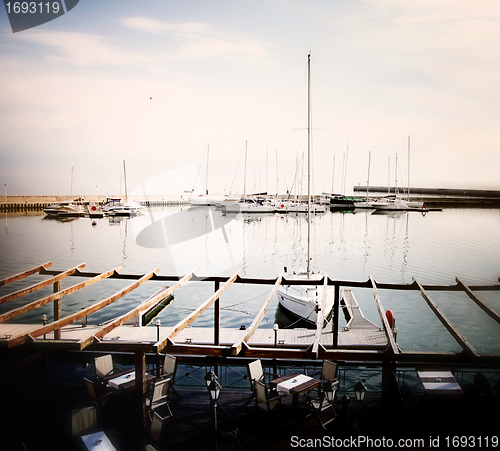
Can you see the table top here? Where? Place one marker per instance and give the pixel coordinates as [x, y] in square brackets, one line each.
[127, 381]
[296, 383]
[98, 441]
[439, 383]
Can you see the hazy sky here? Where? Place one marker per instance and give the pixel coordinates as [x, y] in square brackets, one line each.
[155, 83]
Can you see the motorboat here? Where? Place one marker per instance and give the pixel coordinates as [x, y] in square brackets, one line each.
[115, 207]
[65, 209]
[249, 205]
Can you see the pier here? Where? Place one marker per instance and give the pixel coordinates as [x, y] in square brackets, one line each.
[361, 347]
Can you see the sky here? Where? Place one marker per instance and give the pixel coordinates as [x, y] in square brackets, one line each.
[156, 84]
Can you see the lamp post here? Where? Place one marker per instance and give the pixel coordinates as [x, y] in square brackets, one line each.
[360, 390]
[44, 322]
[275, 328]
[214, 388]
[158, 324]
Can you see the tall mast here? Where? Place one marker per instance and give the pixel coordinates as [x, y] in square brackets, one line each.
[125, 178]
[408, 167]
[368, 180]
[206, 178]
[245, 177]
[309, 164]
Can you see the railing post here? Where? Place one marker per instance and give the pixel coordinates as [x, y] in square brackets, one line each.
[335, 322]
[57, 309]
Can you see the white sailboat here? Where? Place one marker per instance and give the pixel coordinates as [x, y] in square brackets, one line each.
[205, 199]
[248, 205]
[305, 301]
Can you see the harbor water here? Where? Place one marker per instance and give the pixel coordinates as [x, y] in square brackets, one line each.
[393, 247]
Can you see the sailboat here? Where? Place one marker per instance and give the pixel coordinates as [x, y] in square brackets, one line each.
[116, 207]
[305, 301]
[205, 199]
[248, 204]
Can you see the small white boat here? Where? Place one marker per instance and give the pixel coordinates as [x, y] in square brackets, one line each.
[305, 301]
[248, 205]
[65, 209]
[205, 200]
[115, 207]
[297, 207]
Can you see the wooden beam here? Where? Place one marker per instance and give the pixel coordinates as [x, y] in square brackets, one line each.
[38, 303]
[236, 347]
[24, 274]
[161, 294]
[190, 319]
[15, 341]
[140, 387]
[45, 283]
[466, 346]
[478, 301]
[388, 332]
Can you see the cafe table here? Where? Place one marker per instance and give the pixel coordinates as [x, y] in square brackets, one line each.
[439, 383]
[98, 441]
[126, 381]
[296, 384]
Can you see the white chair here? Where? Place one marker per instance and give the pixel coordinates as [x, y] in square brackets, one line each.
[329, 371]
[324, 402]
[158, 402]
[82, 420]
[104, 366]
[264, 399]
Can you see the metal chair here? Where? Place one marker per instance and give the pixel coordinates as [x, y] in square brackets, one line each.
[324, 402]
[329, 371]
[83, 420]
[100, 399]
[103, 366]
[158, 402]
[264, 399]
[169, 369]
[255, 373]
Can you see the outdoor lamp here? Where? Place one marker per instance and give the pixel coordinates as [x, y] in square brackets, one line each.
[213, 386]
[44, 319]
[275, 328]
[360, 390]
[329, 393]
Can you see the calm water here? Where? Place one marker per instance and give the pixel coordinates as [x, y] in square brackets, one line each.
[392, 247]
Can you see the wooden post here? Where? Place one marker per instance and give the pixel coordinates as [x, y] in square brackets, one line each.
[335, 321]
[217, 317]
[140, 387]
[216, 324]
[57, 309]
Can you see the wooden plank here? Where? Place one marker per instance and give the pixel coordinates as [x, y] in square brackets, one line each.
[136, 311]
[15, 341]
[24, 274]
[478, 301]
[43, 301]
[45, 283]
[466, 346]
[236, 348]
[189, 319]
[390, 337]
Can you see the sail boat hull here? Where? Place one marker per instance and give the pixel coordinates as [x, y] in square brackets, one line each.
[304, 302]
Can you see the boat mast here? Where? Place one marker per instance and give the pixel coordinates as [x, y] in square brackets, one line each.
[368, 181]
[408, 167]
[308, 165]
[125, 178]
[206, 178]
[245, 177]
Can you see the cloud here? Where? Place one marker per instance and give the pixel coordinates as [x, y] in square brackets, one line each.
[199, 39]
[82, 49]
